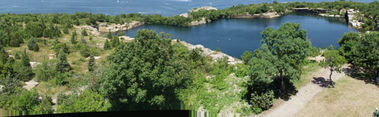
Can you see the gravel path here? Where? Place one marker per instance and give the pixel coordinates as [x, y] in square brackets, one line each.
[303, 96]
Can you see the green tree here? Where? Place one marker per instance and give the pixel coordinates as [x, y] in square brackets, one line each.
[246, 56]
[84, 32]
[290, 46]
[62, 66]
[333, 61]
[363, 53]
[3, 55]
[87, 101]
[107, 45]
[32, 45]
[23, 70]
[25, 60]
[25, 102]
[45, 106]
[145, 74]
[115, 42]
[85, 51]
[110, 36]
[262, 72]
[44, 71]
[91, 64]
[74, 38]
[348, 45]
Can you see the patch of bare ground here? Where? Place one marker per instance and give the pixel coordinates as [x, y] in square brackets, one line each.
[304, 95]
[349, 98]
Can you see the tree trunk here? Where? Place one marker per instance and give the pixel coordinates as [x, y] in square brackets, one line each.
[283, 86]
[330, 78]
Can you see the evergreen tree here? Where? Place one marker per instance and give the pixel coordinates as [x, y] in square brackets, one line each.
[3, 55]
[84, 32]
[65, 30]
[110, 35]
[25, 60]
[91, 63]
[107, 45]
[85, 51]
[115, 42]
[23, 70]
[44, 71]
[246, 56]
[32, 45]
[62, 66]
[73, 38]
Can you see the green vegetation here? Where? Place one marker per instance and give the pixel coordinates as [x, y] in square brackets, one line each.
[154, 72]
[91, 63]
[361, 50]
[146, 73]
[334, 61]
[32, 45]
[26, 102]
[369, 10]
[87, 101]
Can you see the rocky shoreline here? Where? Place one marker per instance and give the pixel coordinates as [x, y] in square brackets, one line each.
[352, 17]
[104, 27]
[263, 15]
[213, 54]
[203, 20]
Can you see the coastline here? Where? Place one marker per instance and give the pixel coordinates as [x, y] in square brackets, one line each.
[351, 19]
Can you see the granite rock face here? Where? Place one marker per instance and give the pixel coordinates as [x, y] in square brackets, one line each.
[263, 15]
[354, 17]
[103, 27]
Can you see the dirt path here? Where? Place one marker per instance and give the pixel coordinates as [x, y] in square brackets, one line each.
[303, 96]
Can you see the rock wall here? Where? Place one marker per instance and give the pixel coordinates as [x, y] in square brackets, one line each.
[203, 8]
[103, 27]
[203, 20]
[353, 17]
[263, 15]
[309, 10]
[213, 54]
[199, 22]
[327, 15]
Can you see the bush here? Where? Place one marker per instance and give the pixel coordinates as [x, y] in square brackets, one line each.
[60, 78]
[44, 71]
[86, 102]
[107, 45]
[84, 32]
[73, 38]
[262, 101]
[32, 45]
[85, 51]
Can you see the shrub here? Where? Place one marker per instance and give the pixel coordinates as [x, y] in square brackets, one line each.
[85, 51]
[84, 32]
[44, 71]
[32, 45]
[262, 101]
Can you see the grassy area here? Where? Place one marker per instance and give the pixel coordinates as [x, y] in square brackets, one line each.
[2, 112]
[350, 97]
[77, 61]
[305, 77]
[219, 92]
